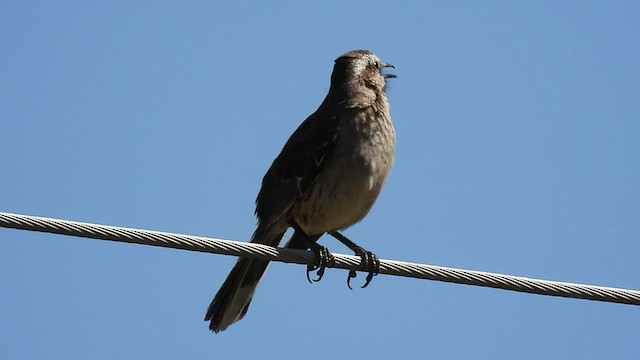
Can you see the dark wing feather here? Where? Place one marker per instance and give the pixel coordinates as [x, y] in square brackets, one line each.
[295, 170]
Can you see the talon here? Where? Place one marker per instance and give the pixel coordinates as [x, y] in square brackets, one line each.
[352, 274]
[320, 273]
[368, 261]
[324, 258]
[310, 268]
[374, 268]
[368, 279]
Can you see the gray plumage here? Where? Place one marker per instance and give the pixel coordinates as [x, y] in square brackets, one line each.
[326, 178]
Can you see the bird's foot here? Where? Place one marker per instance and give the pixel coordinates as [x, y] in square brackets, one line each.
[368, 262]
[324, 257]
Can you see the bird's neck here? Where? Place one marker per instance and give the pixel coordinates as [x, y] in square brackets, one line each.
[348, 96]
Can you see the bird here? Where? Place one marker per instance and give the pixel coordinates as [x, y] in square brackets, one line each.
[326, 178]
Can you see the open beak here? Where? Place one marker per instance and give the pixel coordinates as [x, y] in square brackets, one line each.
[387, 76]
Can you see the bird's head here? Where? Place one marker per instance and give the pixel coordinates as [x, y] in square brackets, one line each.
[358, 73]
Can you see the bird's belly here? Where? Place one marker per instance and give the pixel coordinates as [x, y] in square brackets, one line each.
[339, 199]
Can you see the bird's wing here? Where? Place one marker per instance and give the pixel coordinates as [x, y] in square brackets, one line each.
[295, 170]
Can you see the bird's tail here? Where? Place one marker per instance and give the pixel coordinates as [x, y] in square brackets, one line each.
[233, 299]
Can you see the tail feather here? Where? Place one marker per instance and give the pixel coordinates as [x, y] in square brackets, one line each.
[232, 300]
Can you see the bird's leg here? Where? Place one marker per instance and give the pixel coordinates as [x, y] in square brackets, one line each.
[323, 254]
[369, 261]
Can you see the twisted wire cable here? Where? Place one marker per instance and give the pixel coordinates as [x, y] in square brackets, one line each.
[258, 251]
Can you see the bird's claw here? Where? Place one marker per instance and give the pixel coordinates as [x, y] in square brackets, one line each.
[324, 258]
[368, 261]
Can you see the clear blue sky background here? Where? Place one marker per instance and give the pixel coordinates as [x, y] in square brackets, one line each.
[518, 152]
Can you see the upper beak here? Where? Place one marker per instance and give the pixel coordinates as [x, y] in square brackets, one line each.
[387, 76]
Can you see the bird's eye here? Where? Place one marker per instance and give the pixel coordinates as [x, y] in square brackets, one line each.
[376, 64]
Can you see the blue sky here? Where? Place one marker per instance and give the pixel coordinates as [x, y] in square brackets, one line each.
[518, 152]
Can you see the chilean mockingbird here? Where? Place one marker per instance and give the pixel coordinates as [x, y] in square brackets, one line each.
[326, 178]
